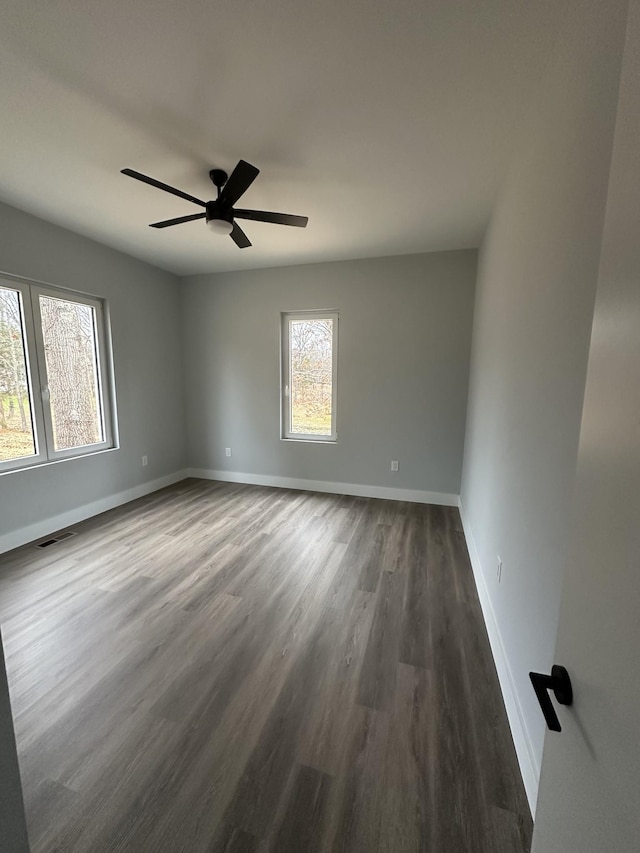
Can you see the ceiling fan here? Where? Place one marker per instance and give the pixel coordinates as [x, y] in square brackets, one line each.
[220, 214]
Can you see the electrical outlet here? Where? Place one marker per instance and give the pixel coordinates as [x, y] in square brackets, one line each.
[394, 464]
[145, 461]
[499, 569]
[227, 451]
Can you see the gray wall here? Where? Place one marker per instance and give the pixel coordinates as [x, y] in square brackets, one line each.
[404, 339]
[534, 305]
[144, 309]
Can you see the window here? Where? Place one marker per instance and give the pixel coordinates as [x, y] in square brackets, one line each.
[309, 362]
[54, 389]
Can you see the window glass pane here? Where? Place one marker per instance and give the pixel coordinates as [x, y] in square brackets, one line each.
[311, 345]
[16, 427]
[69, 335]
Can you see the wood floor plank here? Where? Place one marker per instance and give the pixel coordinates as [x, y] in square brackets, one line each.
[304, 819]
[266, 775]
[325, 729]
[409, 797]
[238, 669]
[234, 840]
[415, 642]
[377, 677]
[356, 812]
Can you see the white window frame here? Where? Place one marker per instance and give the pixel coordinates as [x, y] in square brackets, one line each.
[37, 379]
[33, 387]
[286, 318]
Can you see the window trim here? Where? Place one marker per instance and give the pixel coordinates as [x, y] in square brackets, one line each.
[285, 376]
[37, 379]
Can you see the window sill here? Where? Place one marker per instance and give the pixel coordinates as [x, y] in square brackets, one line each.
[331, 441]
[46, 463]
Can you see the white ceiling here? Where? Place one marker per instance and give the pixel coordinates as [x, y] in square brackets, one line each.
[389, 124]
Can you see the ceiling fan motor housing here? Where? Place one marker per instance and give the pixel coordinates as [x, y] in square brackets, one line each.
[216, 213]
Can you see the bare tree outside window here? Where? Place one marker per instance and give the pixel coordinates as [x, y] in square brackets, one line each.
[16, 428]
[68, 331]
[311, 343]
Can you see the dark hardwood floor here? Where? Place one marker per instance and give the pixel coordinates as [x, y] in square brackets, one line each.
[238, 669]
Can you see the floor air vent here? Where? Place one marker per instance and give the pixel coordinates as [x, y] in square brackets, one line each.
[60, 538]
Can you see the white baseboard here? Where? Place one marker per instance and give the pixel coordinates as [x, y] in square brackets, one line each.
[529, 766]
[32, 532]
[356, 489]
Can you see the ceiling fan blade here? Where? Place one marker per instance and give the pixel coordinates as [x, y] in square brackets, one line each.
[168, 222]
[239, 182]
[276, 218]
[159, 185]
[239, 237]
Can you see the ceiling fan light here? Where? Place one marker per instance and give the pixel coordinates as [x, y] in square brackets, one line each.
[220, 226]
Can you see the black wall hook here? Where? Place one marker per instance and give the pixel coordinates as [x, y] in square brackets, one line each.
[560, 683]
